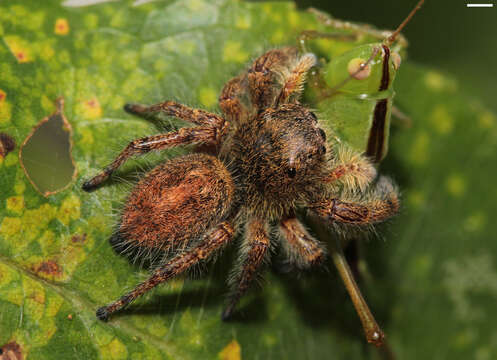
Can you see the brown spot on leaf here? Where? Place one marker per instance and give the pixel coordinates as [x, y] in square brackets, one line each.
[7, 144]
[11, 351]
[77, 238]
[69, 317]
[48, 268]
[45, 154]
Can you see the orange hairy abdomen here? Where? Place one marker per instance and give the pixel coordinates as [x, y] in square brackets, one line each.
[177, 202]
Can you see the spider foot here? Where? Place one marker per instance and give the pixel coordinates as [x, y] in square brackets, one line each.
[102, 313]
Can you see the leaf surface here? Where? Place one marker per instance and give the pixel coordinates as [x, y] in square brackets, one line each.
[433, 280]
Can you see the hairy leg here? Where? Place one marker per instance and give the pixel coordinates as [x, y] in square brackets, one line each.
[216, 239]
[257, 243]
[303, 249]
[351, 169]
[294, 79]
[234, 100]
[382, 204]
[276, 76]
[172, 108]
[144, 145]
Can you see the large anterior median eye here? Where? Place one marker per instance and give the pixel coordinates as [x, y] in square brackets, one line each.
[292, 172]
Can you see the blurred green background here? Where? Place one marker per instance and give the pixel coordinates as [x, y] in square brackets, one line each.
[444, 34]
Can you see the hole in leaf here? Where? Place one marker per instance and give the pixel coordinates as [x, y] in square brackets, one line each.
[7, 144]
[45, 155]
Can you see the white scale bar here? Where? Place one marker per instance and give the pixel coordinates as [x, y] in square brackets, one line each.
[479, 5]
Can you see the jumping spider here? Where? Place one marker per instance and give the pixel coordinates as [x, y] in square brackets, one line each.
[260, 162]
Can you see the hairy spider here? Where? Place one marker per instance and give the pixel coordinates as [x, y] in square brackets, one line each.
[267, 157]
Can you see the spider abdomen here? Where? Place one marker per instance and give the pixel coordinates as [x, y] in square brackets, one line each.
[177, 202]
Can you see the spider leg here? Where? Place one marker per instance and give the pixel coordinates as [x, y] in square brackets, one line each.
[257, 242]
[295, 78]
[183, 136]
[351, 169]
[172, 108]
[382, 204]
[303, 249]
[276, 76]
[220, 236]
[233, 99]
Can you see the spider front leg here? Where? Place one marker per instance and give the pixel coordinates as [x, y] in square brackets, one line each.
[352, 170]
[172, 108]
[211, 129]
[216, 239]
[303, 250]
[381, 204]
[277, 77]
[254, 251]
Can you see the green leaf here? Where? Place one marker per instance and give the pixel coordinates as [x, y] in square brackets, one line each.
[433, 280]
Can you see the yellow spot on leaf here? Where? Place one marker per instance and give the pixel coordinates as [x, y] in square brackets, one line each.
[15, 295]
[267, 8]
[91, 21]
[19, 187]
[157, 328]
[437, 82]
[34, 301]
[115, 350]
[243, 22]
[434, 80]
[19, 48]
[46, 52]
[91, 109]
[475, 222]
[278, 36]
[11, 159]
[86, 137]
[456, 185]
[293, 19]
[61, 27]
[101, 336]
[208, 97]
[487, 120]
[5, 111]
[441, 120]
[416, 199]
[233, 52]
[15, 204]
[232, 351]
[418, 153]
[7, 275]
[69, 210]
[9, 227]
[3, 95]
[196, 5]
[33, 221]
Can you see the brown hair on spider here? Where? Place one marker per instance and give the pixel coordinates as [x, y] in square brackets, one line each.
[268, 157]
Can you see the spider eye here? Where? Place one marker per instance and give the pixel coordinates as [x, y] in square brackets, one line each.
[292, 172]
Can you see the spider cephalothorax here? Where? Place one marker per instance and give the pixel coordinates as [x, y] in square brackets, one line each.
[278, 158]
[271, 158]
